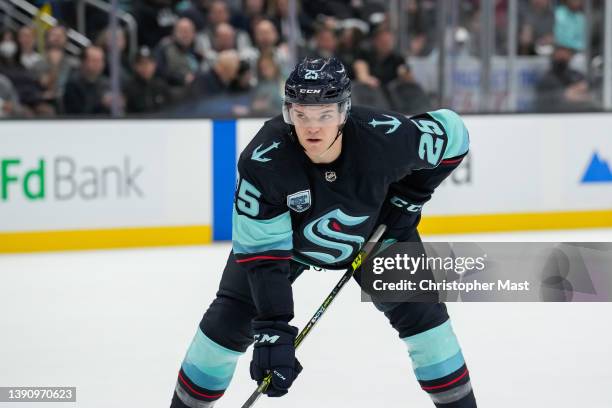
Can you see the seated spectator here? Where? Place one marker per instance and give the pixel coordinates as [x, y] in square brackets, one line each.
[563, 89]
[56, 37]
[349, 44]
[251, 12]
[241, 88]
[156, 19]
[421, 23]
[220, 77]
[9, 100]
[536, 23]
[325, 43]
[378, 66]
[219, 14]
[104, 41]
[224, 39]
[570, 23]
[267, 95]
[178, 62]
[146, 93]
[87, 90]
[266, 43]
[29, 88]
[57, 69]
[28, 56]
[8, 46]
[196, 11]
[405, 94]
[338, 9]
[280, 16]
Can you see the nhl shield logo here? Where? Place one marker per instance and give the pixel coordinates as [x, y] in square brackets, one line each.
[330, 176]
[299, 201]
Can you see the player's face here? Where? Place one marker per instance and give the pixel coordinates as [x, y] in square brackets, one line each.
[316, 126]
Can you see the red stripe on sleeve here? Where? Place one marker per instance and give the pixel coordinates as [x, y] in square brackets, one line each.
[259, 257]
[452, 161]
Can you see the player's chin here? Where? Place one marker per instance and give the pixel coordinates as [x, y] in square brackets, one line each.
[314, 148]
[313, 145]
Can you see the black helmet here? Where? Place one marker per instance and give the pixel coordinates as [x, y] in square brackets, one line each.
[318, 81]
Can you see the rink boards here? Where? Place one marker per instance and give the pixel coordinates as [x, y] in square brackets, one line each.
[120, 183]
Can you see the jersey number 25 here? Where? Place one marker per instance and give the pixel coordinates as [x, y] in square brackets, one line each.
[430, 146]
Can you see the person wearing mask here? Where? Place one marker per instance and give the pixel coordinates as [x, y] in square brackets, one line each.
[29, 58]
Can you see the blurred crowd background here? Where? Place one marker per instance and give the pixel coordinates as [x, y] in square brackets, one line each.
[229, 58]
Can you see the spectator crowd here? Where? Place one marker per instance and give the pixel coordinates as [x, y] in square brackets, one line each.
[230, 57]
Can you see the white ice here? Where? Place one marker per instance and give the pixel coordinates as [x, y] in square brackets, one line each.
[116, 325]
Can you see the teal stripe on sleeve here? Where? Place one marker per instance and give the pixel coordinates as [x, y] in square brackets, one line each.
[432, 346]
[251, 235]
[458, 136]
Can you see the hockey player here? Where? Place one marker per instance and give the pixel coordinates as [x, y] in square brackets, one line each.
[313, 184]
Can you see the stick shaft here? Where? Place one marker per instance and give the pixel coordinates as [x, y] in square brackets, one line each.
[356, 264]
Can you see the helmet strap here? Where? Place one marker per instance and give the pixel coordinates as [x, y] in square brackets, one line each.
[332, 143]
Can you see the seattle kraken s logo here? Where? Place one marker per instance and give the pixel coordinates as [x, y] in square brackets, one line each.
[320, 233]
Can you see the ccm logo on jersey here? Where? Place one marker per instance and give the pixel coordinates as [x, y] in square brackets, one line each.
[310, 91]
[265, 338]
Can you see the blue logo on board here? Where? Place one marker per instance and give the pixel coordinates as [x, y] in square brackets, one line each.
[598, 171]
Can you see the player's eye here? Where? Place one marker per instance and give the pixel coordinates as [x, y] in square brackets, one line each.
[300, 115]
[325, 117]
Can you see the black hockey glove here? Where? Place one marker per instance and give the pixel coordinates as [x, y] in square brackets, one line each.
[274, 353]
[401, 218]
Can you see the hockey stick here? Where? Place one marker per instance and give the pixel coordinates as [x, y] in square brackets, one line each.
[356, 264]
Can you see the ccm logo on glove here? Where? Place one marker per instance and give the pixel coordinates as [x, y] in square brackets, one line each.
[265, 338]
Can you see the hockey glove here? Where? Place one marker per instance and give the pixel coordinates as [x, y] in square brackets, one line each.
[401, 219]
[274, 353]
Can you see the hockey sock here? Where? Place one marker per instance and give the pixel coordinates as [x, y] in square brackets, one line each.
[440, 368]
[205, 374]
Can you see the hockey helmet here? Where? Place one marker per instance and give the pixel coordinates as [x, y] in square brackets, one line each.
[318, 81]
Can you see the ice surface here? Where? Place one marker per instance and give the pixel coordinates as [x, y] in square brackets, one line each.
[116, 325]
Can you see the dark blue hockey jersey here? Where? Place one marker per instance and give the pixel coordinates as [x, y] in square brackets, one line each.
[288, 207]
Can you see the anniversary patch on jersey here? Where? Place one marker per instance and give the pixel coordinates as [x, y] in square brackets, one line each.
[299, 201]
